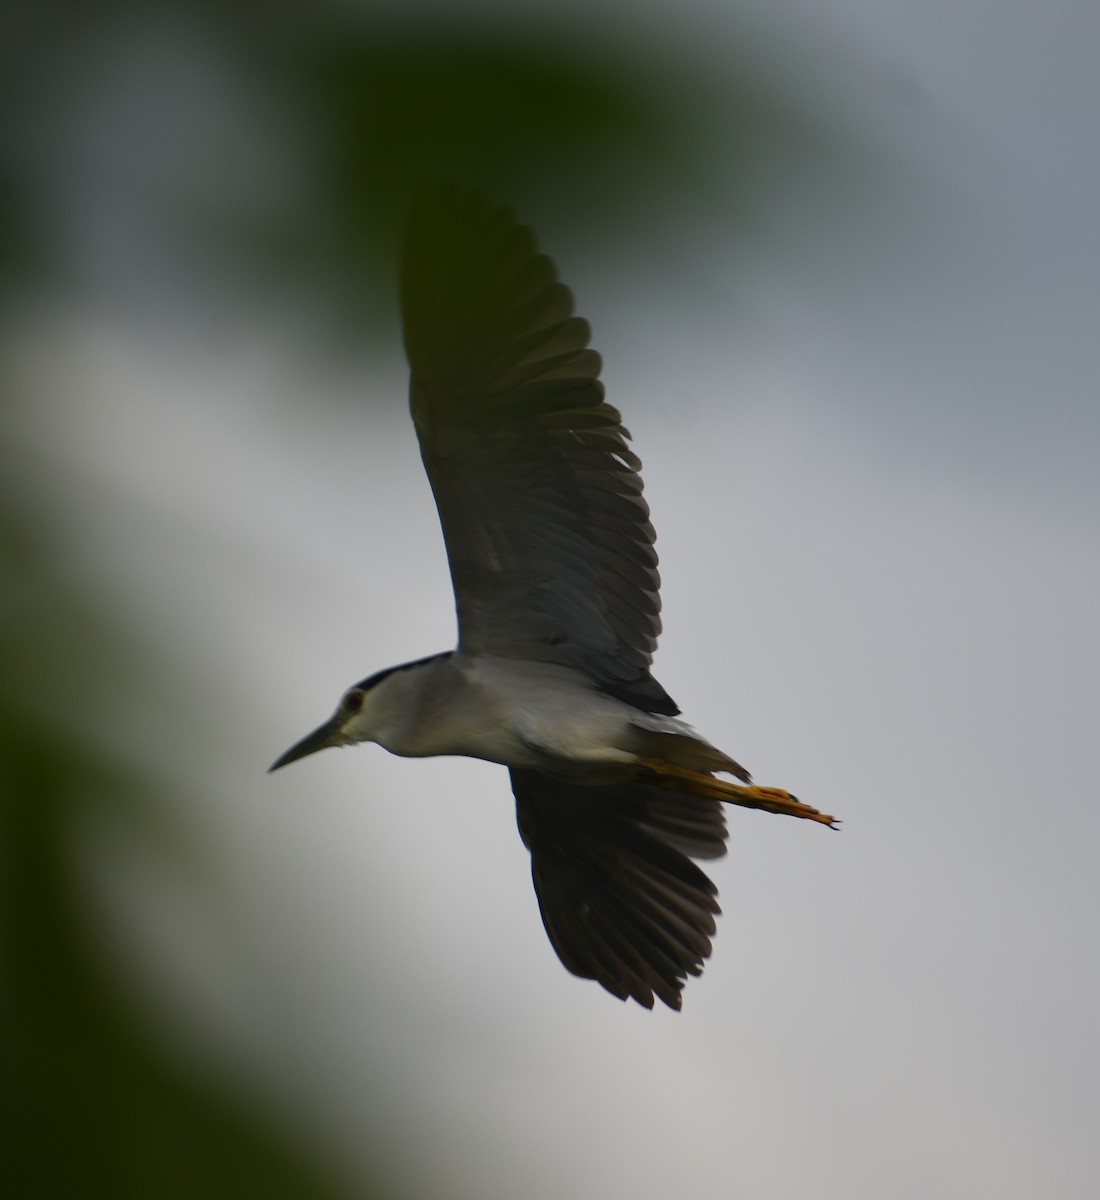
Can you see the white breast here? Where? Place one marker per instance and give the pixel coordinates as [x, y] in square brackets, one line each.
[515, 713]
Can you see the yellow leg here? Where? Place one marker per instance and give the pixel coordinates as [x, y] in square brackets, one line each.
[748, 796]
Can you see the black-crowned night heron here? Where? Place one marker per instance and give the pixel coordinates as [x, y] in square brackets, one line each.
[555, 580]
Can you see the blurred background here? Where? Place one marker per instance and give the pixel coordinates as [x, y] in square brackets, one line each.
[842, 261]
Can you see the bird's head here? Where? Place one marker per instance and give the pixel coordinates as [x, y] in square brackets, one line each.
[377, 710]
[347, 725]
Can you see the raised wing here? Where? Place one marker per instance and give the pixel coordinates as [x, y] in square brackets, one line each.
[620, 900]
[548, 536]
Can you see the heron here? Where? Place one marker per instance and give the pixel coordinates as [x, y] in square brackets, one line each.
[556, 588]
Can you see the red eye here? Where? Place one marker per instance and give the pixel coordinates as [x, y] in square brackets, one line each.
[353, 701]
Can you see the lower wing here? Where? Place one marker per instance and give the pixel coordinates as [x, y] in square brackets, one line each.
[621, 901]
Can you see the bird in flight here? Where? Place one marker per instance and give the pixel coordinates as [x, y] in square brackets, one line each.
[556, 590]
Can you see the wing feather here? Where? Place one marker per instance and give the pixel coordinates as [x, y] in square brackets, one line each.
[548, 534]
[620, 899]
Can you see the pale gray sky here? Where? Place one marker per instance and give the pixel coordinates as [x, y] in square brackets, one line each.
[878, 513]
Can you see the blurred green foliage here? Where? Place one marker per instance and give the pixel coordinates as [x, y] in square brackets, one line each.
[98, 1102]
[584, 115]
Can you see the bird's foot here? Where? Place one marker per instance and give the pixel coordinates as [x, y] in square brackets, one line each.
[775, 800]
[778, 801]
